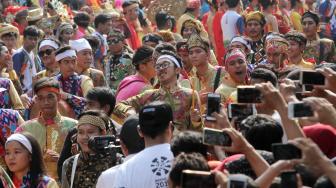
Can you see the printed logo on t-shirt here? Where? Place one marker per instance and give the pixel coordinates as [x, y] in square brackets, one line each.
[161, 166]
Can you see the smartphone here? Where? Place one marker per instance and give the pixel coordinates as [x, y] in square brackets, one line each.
[248, 94]
[308, 88]
[311, 78]
[216, 137]
[237, 181]
[289, 179]
[286, 152]
[241, 110]
[213, 105]
[299, 110]
[197, 179]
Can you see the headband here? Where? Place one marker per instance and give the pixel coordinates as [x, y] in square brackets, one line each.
[22, 139]
[48, 42]
[67, 53]
[235, 54]
[92, 120]
[170, 59]
[51, 89]
[243, 41]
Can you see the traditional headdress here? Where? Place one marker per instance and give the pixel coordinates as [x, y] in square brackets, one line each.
[193, 24]
[35, 14]
[92, 120]
[296, 36]
[235, 54]
[257, 16]
[8, 28]
[275, 42]
[47, 83]
[80, 44]
[15, 11]
[194, 4]
[196, 40]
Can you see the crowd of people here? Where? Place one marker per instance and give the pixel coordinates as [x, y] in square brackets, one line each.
[100, 93]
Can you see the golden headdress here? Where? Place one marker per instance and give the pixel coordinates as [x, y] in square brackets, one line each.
[257, 16]
[196, 40]
[8, 28]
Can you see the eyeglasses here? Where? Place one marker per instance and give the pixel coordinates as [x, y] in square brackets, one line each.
[163, 65]
[113, 41]
[47, 52]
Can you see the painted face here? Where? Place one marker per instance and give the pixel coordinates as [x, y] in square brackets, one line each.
[17, 157]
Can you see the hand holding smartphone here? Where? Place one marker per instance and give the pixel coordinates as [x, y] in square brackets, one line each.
[308, 77]
[197, 179]
[241, 110]
[286, 152]
[299, 110]
[216, 137]
[213, 105]
[248, 94]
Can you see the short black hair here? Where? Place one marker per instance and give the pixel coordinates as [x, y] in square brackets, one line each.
[265, 74]
[93, 41]
[62, 49]
[161, 19]
[104, 96]
[165, 46]
[129, 135]
[266, 3]
[261, 131]
[128, 3]
[32, 31]
[188, 142]
[311, 15]
[187, 161]
[232, 3]
[102, 19]
[141, 54]
[82, 19]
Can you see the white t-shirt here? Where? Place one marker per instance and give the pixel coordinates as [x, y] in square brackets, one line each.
[229, 24]
[107, 178]
[148, 169]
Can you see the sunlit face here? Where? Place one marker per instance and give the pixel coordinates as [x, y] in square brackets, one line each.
[86, 131]
[47, 55]
[10, 41]
[67, 66]
[67, 34]
[17, 157]
[148, 67]
[131, 12]
[4, 55]
[198, 56]
[254, 29]
[84, 58]
[188, 31]
[47, 101]
[294, 49]
[166, 72]
[309, 27]
[237, 70]
[30, 42]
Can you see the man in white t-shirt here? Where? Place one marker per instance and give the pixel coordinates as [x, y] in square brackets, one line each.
[232, 22]
[150, 168]
[131, 143]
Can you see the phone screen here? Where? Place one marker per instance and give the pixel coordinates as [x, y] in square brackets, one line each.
[311, 78]
[240, 110]
[286, 152]
[248, 95]
[289, 179]
[216, 137]
[213, 104]
[237, 184]
[302, 110]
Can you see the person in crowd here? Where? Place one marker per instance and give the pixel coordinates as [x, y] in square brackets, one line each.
[118, 62]
[271, 21]
[232, 22]
[9, 34]
[192, 12]
[98, 98]
[236, 69]
[26, 63]
[7, 69]
[131, 11]
[254, 29]
[83, 169]
[190, 27]
[182, 51]
[9, 121]
[297, 44]
[155, 126]
[50, 128]
[151, 39]
[253, 6]
[199, 55]
[46, 52]
[131, 144]
[317, 49]
[164, 21]
[65, 33]
[85, 60]
[73, 87]
[142, 80]
[9, 97]
[184, 101]
[82, 20]
[25, 162]
[295, 16]
[103, 24]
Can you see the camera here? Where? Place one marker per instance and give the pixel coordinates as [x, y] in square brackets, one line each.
[213, 105]
[286, 152]
[216, 137]
[311, 78]
[197, 179]
[299, 110]
[248, 94]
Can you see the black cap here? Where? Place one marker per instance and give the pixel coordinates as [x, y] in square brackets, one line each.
[152, 37]
[155, 113]
[129, 135]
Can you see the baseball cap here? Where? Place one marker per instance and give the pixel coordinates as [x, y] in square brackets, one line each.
[154, 114]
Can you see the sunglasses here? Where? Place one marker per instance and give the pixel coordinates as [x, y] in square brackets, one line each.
[113, 41]
[47, 52]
